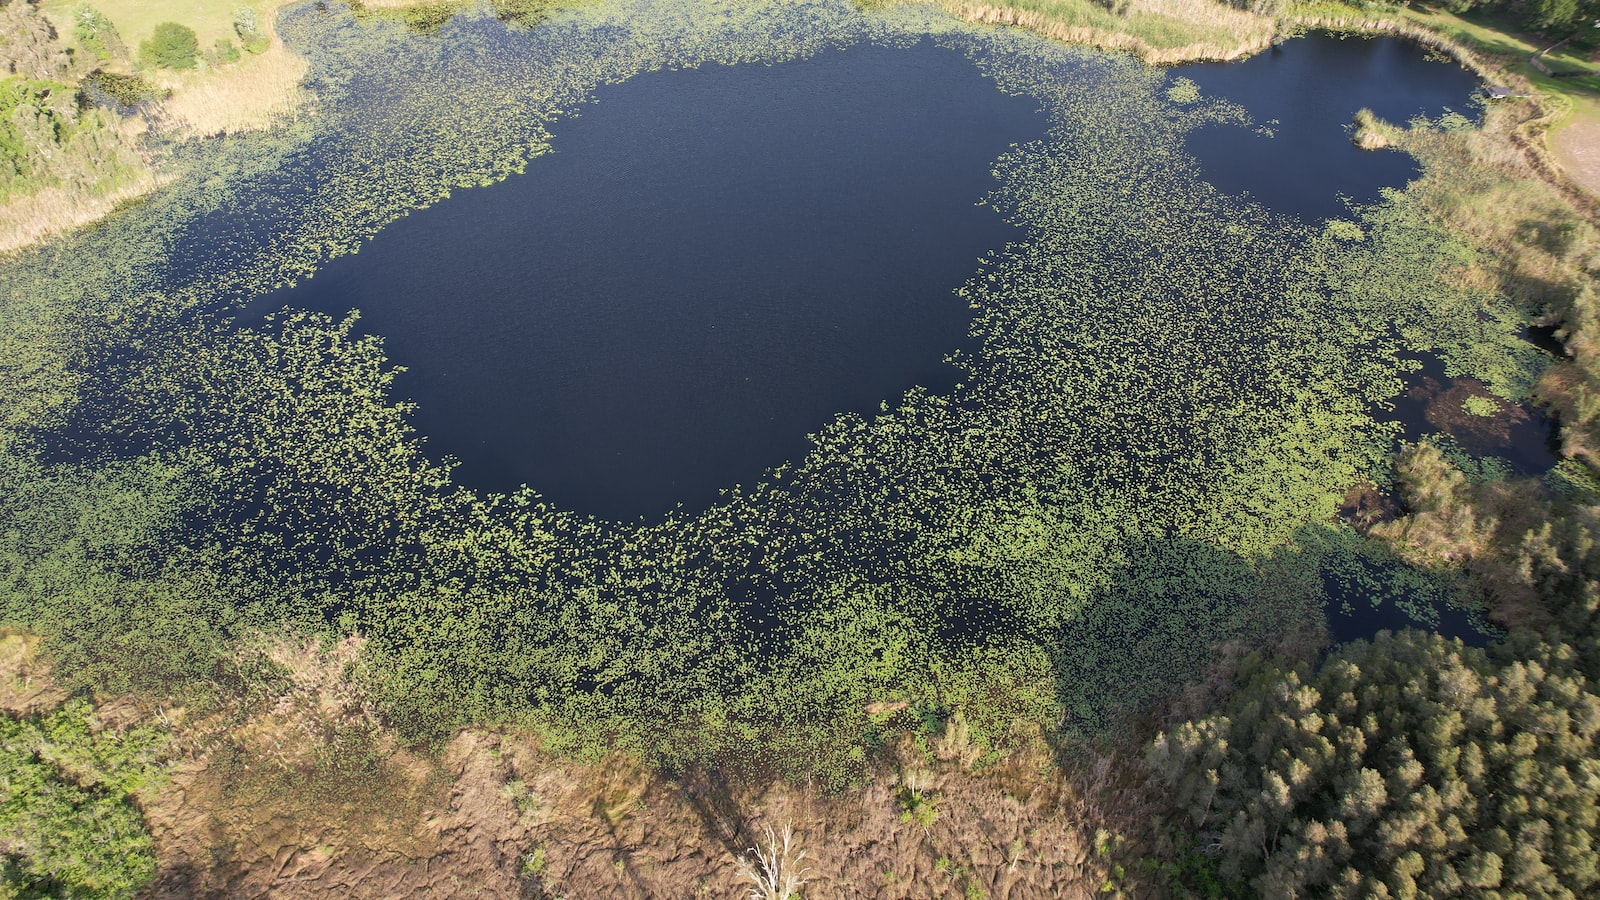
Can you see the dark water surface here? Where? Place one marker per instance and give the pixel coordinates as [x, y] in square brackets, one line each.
[1362, 621]
[1433, 403]
[715, 262]
[710, 266]
[1307, 93]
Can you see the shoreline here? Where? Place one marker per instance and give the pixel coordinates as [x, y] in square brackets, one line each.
[254, 93]
[221, 101]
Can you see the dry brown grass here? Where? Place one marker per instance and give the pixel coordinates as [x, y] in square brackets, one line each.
[259, 802]
[1169, 32]
[57, 210]
[257, 92]
[25, 683]
[1160, 32]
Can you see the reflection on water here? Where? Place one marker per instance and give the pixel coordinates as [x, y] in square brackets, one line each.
[1479, 422]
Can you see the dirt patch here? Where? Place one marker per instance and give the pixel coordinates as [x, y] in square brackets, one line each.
[1577, 148]
[303, 795]
[613, 831]
[220, 835]
[512, 822]
[1364, 506]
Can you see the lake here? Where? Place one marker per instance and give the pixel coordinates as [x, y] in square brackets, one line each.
[1023, 410]
[1306, 92]
[713, 262]
[710, 265]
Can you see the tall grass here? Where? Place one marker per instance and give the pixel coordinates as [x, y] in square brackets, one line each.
[1157, 31]
[81, 196]
[1167, 32]
[255, 93]
[60, 209]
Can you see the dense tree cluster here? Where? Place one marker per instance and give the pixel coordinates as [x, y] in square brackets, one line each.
[172, 46]
[1560, 17]
[1407, 767]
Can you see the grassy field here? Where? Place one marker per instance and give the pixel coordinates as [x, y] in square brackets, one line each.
[1516, 50]
[137, 19]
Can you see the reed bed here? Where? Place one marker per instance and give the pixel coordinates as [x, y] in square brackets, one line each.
[1169, 32]
[1160, 32]
[257, 92]
[62, 208]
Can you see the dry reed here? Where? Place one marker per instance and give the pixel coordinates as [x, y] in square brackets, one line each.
[62, 208]
[257, 92]
[1251, 33]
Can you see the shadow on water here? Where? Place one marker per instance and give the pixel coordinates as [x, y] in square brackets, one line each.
[710, 265]
[1359, 614]
[1137, 636]
[1306, 92]
[1479, 422]
[1544, 337]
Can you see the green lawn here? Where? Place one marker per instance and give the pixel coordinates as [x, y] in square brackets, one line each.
[137, 19]
[1582, 93]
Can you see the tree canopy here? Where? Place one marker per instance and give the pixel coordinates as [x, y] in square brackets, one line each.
[1410, 766]
[173, 46]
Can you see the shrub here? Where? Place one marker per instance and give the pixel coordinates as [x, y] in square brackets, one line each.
[248, 28]
[28, 45]
[173, 46]
[222, 53]
[123, 93]
[96, 34]
[68, 824]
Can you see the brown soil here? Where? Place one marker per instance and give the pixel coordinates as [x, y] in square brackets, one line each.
[511, 822]
[1364, 506]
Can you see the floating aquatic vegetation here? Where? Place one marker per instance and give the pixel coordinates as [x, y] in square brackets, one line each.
[1173, 391]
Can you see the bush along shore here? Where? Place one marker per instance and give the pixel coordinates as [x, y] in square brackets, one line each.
[89, 117]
